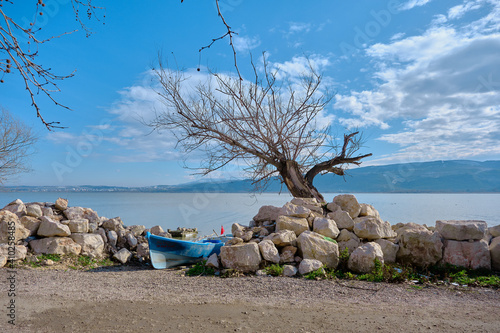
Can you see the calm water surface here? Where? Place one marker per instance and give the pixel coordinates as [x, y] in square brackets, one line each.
[208, 211]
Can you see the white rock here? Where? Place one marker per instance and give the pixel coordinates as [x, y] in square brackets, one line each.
[333, 207]
[17, 207]
[288, 254]
[348, 203]
[143, 250]
[269, 252]
[289, 209]
[92, 244]
[3, 261]
[123, 256]
[131, 241]
[309, 265]
[136, 230]
[114, 224]
[47, 211]
[156, 230]
[243, 257]
[213, 261]
[389, 249]
[495, 254]
[61, 204]
[494, 231]
[314, 246]
[326, 227]
[371, 228]
[310, 203]
[73, 213]
[267, 213]
[362, 260]
[81, 225]
[112, 237]
[472, 255]
[347, 239]
[461, 229]
[296, 224]
[31, 223]
[55, 245]
[16, 252]
[289, 270]
[368, 210]
[419, 246]
[50, 228]
[342, 219]
[92, 216]
[34, 210]
[101, 232]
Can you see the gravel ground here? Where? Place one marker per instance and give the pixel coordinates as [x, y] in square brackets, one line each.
[129, 299]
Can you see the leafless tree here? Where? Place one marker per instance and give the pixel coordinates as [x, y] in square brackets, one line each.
[268, 123]
[19, 46]
[16, 143]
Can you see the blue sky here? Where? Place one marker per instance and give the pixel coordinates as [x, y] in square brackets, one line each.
[420, 78]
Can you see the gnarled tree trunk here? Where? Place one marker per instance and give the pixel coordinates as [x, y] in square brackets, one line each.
[296, 183]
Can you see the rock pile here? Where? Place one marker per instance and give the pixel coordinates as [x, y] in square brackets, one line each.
[305, 235]
[55, 228]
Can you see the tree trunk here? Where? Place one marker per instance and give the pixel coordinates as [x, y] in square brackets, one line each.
[296, 183]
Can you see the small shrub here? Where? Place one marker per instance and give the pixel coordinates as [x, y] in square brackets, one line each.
[200, 269]
[274, 270]
[316, 275]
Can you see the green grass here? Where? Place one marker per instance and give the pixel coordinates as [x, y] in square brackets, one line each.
[318, 274]
[274, 270]
[200, 269]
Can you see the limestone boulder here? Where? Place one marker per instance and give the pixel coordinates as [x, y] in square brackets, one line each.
[269, 251]
[342, 219]
[114, 224]
[92, 216]
[362, 260]
[244, 257]
[55, 245]
[73, 213]
[136, 230]
[31, 223]
[50, 228]
[494, 231]
[112, 238]
[123, 256]
[472, 255]
[349, 240]
[92, 244]
[461, 229]
[333, 207]
[326, 227]
[288, 254]
[419, 246]
[371, 228]
[61, 204]
[368, 210]
[81, 225]
[267, 213]
[348, 203]
[289, 209]
[389, 249]
[297, 224]
[131, 240]
[11, 230]
[309, 265]
[310, 203]
[3, 261]
[16, 252]
[101, 232]
[314, 246]
[143, 250]
[213, 261]
[289, 270]
[495, 254]
[17, 207]
[156, 230]
[47, 211]
[34, 210]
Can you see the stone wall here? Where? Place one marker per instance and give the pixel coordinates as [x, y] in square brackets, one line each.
[55, 228]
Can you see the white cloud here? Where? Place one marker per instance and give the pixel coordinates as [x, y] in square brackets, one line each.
[298, 27]
[245, 44]
[444, 85]
[413, 3]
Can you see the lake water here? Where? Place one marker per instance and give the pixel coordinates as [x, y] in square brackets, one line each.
[208, 211]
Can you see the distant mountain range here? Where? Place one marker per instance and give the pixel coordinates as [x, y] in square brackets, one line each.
[425, 177]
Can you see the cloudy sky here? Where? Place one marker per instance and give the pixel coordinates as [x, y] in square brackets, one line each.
[419, 78]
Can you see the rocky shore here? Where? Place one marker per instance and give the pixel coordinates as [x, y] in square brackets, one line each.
[304, 235]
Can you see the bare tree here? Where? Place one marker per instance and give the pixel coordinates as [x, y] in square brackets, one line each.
[16, 143]
[19, 46]
[268, 123]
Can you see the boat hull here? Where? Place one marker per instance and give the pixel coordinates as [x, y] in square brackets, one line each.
[167, 252]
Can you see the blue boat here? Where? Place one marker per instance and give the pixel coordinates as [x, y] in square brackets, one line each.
[168, 252]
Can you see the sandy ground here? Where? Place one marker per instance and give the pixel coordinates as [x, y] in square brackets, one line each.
[134, 299]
